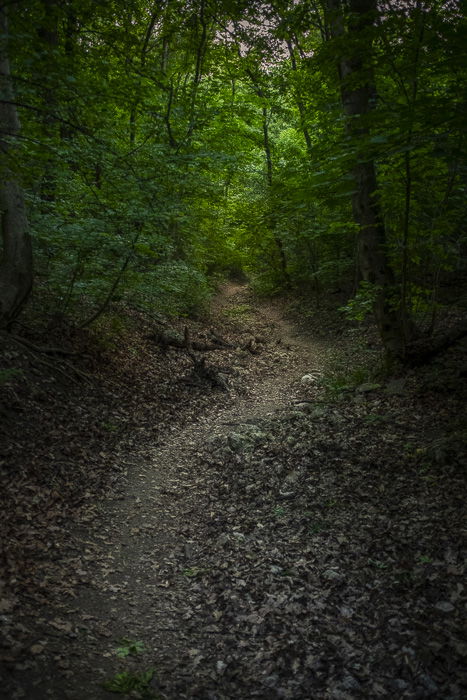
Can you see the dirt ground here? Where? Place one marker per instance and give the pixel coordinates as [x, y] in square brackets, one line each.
[289, 534]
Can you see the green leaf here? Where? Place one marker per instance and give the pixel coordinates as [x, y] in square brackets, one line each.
[130, 648]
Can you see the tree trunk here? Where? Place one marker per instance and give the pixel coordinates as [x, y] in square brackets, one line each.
[16, 254]
[272, 222]
[299, 102]
[48, 37]
[358, 99]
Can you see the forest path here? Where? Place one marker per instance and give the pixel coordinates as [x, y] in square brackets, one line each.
[277, 542]
[150, 537]
[131, 547]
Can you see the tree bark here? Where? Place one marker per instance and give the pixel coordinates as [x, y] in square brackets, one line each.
[16, 253]
[48, 37]
[299, 102]
[272, 223]
[358, 99]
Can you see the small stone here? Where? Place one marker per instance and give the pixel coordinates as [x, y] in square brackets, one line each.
[189, 549]
[444, 606]
[350, 683]
[220, 666]
[292, 477]
[307, 379]
[366, 388]
[331, 575]
[305, 407]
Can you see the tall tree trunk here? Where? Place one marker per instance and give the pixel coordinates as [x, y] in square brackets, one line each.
[48, 37]
[272, 222]
[299, 102]
[143, 56]
[269, 175]
[16, 254]
[358, 99]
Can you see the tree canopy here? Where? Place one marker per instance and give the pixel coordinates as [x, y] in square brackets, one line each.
[312, 146]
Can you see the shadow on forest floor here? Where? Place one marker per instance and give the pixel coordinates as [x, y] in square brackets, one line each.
[286, 538]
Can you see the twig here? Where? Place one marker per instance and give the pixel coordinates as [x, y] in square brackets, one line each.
[42, 360]
[36, 348]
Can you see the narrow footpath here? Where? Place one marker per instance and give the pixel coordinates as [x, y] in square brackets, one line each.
[279, 544]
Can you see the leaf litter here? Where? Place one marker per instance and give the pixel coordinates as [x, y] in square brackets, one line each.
[278, 541]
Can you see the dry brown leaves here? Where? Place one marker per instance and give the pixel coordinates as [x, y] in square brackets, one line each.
[319, 552]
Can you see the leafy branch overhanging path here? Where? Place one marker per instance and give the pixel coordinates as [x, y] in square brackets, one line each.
[277, 544]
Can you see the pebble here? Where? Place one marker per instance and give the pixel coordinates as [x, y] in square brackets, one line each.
[331, 575]
[307, 379]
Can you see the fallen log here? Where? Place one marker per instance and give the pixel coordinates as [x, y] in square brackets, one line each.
[174, 340]
[423, 350]
[202, 372]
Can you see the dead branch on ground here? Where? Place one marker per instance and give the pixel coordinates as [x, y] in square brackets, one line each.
[174, 340]
[202, 372]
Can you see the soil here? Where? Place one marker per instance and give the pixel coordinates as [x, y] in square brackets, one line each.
[301, 534]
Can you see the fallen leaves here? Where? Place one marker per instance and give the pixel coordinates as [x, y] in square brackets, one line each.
[61, 625]
[317, 551]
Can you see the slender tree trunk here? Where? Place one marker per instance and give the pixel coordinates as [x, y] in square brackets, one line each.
[272, 223]
[299, 102]
[70, 36]
[16, 253]
[48, 37]
[143, 57]
[412, 105]
[113, 288]
[358, 98]
[269, 176]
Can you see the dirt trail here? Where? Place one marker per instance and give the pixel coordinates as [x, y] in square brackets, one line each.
[275, 543]
[132, 545]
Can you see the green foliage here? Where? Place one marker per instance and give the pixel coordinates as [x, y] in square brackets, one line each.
[162, 151]
[130, 648]
[111, 427]
[238, 311]
[193, 572]
[340, 380]
[318, 526]
[175, 289]
[136, 683]
[378, 564]
[424, 559]
[361, 305]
